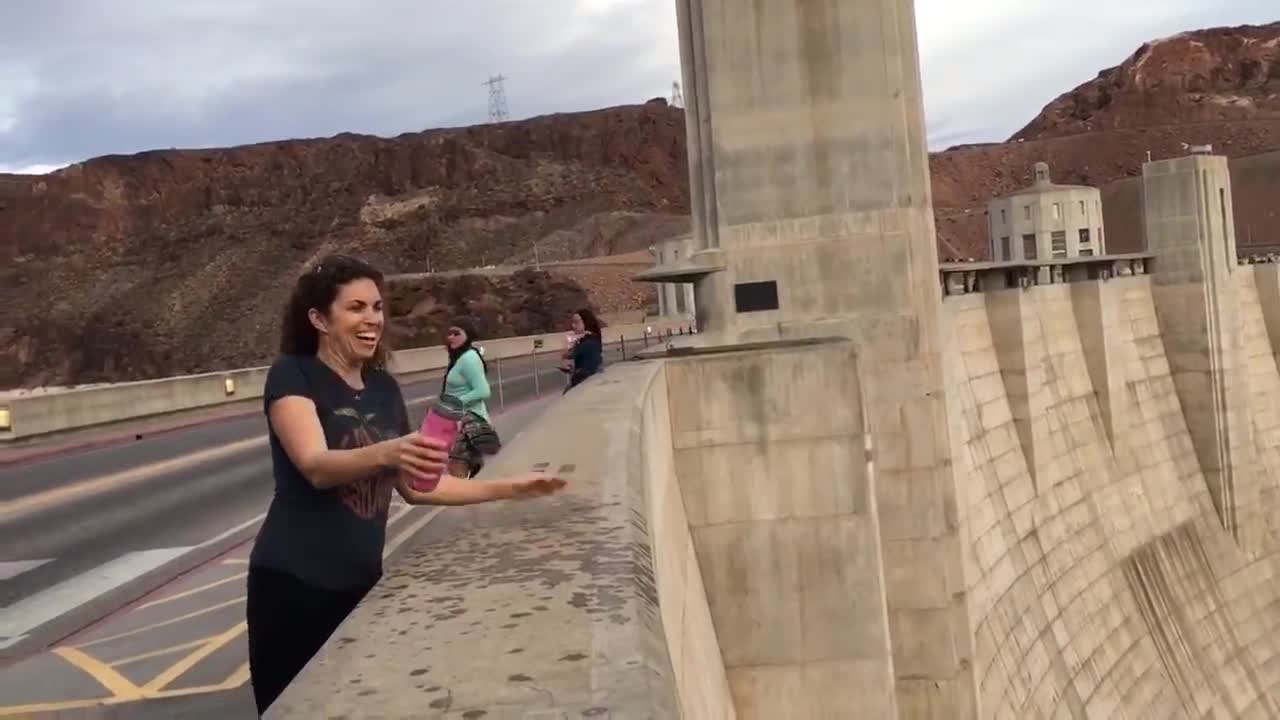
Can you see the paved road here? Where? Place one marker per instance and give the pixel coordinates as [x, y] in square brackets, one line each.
[74, 526]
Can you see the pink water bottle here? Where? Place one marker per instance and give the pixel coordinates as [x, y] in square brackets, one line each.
[442, 423]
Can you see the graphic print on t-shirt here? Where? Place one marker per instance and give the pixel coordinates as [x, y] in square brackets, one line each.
[371, 496]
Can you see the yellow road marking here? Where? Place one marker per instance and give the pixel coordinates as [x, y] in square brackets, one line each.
[233, 681]
[162, 623]
[192, 591]
[236, 561]
[239, 677]
[156, 653]
[174, 671]
[37, 501]
[117, 684]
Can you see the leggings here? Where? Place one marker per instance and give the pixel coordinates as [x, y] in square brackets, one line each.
[289, 621]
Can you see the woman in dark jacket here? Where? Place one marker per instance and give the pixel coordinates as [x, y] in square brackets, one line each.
[585, 355]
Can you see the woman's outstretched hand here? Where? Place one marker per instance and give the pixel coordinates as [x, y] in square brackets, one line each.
[535, 484]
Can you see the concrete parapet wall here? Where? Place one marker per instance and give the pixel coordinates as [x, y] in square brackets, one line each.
[772, 459]
[40, 413]
[689, 630]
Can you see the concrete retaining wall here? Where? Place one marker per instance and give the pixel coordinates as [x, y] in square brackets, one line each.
[41, 413]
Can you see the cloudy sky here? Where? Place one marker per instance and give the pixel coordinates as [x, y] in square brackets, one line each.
[81, 78]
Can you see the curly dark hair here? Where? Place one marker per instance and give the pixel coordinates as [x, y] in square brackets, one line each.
[317, 288]
[590, 322]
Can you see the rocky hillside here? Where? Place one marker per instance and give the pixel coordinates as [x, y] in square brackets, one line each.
[177, 261]
[1212, 76]
[1219, 87]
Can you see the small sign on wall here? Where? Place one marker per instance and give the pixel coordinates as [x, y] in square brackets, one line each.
[755, 296]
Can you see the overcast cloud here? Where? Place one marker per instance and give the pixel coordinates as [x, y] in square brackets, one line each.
[81, 78]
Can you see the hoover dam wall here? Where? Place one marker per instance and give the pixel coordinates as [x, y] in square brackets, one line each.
[1101, 580]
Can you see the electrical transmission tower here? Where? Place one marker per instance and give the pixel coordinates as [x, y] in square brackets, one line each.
[497, 98]
[677, 98]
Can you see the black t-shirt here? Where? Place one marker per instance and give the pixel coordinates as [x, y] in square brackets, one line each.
[588, 357]
[330, 538]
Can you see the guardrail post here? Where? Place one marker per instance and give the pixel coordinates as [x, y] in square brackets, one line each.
[537, 383]
[502, 400]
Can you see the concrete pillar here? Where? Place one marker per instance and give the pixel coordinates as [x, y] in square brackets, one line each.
[1190, 230]
[810, 178]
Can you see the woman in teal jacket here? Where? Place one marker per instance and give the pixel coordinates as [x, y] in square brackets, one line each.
[466, 381]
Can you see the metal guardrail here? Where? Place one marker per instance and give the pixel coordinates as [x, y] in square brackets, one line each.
[545, 365]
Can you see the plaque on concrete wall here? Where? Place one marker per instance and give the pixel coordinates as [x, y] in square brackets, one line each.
[755, 296]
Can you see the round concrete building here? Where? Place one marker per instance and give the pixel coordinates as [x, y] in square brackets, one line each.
[1046, 222]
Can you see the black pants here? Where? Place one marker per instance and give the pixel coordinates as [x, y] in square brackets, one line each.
[288, 621]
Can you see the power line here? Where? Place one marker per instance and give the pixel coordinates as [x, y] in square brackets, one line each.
[497, 98]
[677, 97]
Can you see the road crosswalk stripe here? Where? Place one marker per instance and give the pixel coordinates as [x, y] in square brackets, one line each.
[14, 568]
[35, 610]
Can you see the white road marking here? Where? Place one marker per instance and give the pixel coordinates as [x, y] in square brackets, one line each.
[232, 531]
[33, 611]
[6, 643]
[14, 568]
[408, 532]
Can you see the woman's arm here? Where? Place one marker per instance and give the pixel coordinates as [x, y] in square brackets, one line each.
[293, 419]
[472, 369]
[454, 491]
